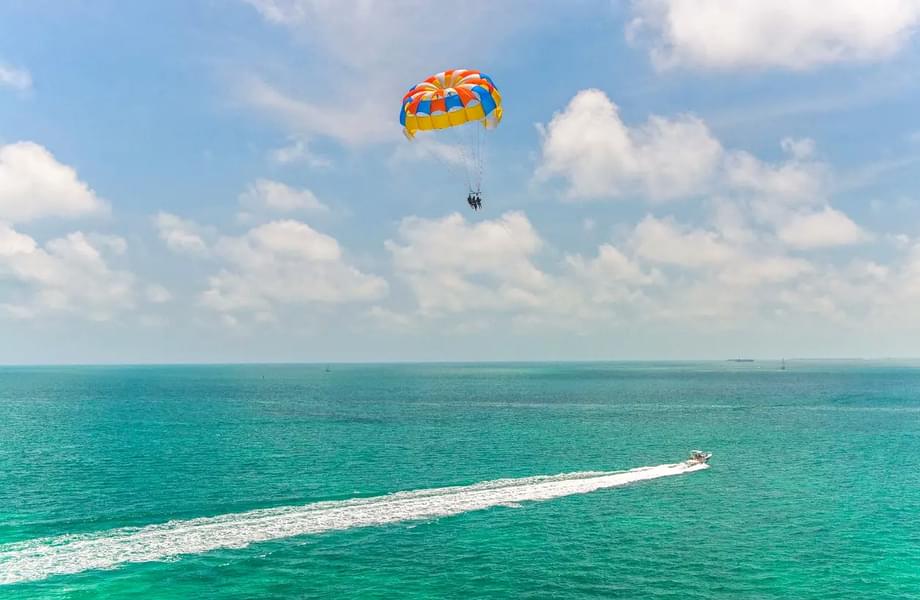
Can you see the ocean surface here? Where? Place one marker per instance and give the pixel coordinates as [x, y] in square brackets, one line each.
[461, 481]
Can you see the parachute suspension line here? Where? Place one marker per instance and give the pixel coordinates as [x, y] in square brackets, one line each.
[480, 148]
[474, 135]
[460, 148]
[474, 148]
[469, 156]
[470, 144]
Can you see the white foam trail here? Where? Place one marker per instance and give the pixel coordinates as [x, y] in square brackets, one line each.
[41, 558]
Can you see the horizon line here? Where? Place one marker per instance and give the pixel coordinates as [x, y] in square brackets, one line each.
[319, 363]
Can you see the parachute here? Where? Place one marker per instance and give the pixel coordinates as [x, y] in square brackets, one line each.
[458, 105]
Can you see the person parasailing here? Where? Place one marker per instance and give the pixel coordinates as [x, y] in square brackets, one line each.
[452, 100]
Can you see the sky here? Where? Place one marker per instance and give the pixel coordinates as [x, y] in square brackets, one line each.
[227, 181]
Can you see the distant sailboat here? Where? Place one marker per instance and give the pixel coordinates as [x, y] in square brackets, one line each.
[783, 365]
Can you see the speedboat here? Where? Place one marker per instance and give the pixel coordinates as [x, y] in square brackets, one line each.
[698, 457]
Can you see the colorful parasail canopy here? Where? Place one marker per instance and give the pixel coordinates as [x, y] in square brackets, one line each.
[450, 99]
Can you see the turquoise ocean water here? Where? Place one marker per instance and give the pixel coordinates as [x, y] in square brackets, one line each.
[814, 489]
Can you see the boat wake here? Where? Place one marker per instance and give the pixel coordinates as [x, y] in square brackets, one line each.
[38, 559]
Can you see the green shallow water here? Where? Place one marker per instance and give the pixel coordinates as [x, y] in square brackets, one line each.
[814, 490]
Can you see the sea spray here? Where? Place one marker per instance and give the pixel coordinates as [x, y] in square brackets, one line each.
[38, 559]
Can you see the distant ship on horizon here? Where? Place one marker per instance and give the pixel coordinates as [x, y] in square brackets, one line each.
[740, 360]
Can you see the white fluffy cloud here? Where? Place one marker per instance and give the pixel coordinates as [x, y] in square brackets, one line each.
[753, 270]
[489, 271]
[14, 243]
[285, 263]
[473, 276]
[274, 196]
[72, 274]
[181, 235]
[709, 275]
[599, 156]
[663, 241]
[33, 185]
[611, 266]
[12, 77]
[736, 260]
[486, 272]
[68, 275]
[604, 286]
[791, 34]
[824, 228]
[453, 266]
[791, 182]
